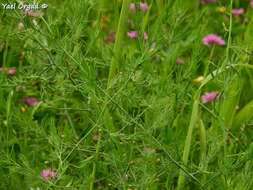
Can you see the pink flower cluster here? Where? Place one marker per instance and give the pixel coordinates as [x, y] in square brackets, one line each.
[48, 174]
[142, 6]
[135, 34]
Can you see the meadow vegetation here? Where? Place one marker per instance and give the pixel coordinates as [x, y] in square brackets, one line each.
[127, 95]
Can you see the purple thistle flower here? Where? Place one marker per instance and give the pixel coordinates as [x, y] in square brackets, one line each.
[209, 97]
[213, 39]
[30, 101]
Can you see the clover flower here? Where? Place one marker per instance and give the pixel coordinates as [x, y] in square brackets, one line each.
[30, 101]
[209, 97]
[143, 6]
[48, 174]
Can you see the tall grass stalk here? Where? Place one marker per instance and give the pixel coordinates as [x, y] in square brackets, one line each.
[187, 146]
[117, 50]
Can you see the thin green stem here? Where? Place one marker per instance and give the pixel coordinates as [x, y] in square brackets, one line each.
[203, 148]
[229, 34]
[208, 61]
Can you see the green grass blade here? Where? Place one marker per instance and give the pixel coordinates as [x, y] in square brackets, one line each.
[243, 116]
[117, 50]
[187, 147]
[231, 100]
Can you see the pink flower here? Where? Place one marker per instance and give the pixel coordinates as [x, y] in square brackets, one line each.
[132, 7]
[30, 101]
[132, 34]
[207, 1]
[143, 6]
[12, 71]
[209, 97]
[9, 71]
[180, 61]
[110, 38]
[237, 12]
[213, 39]
[145, 36]
[48, 174]
[251, 3]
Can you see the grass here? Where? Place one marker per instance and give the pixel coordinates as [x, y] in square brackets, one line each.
[124, 115]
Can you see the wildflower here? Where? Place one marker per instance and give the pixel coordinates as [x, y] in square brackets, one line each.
[199, 79]
[110, 38]
[209, 97]
[143, 6]
[221, 9]
[208, 1]
[48, 174]
[9, 71]
[237, 12]
[132, 7]
[213, 39]
[145, 36]
[30, 101]
[132, 34]
[251, 3]
[180, 61]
